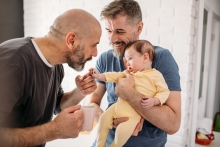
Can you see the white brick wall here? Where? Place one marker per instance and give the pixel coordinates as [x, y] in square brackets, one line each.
[168, 23]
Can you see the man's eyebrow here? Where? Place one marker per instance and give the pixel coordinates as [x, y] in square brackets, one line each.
[95, 44]
[122, 30]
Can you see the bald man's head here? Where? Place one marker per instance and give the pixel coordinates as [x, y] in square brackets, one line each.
[78, 21]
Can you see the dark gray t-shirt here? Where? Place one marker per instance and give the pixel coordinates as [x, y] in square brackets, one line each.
[30, 91]
[165, 63]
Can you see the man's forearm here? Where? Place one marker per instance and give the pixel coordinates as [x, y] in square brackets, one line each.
[30, 136]
[98, 111]
[71, 98]
[166, 117]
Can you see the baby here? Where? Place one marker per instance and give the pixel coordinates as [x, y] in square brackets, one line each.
[149, 82]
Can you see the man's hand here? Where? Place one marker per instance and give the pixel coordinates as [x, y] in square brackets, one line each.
[86, 84]
[69, 122]
[137, 129]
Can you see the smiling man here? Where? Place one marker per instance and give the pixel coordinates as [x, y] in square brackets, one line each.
[123, 20]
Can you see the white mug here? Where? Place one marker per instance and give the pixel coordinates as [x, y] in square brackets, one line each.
[89, 113]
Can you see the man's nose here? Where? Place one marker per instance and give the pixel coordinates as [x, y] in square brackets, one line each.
[112, 37]
[94, 53]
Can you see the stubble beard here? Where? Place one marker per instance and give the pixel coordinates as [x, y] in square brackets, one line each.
[76, 58]
[119, 53]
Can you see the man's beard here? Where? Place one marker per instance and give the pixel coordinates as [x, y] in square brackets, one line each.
[76, 58]
[118, 53]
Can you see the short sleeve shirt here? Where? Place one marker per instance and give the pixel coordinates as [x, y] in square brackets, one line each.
[30, 90]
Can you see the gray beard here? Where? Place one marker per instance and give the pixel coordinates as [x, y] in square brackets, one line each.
[78, 62]
[118, 54]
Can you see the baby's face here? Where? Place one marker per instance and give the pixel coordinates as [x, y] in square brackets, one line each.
[134, 60]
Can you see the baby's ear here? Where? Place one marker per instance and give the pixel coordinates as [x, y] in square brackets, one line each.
[146, 57]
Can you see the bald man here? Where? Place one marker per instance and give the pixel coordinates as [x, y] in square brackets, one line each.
[31, 76]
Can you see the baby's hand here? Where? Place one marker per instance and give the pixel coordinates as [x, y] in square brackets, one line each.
[93, 72]
[147, 102]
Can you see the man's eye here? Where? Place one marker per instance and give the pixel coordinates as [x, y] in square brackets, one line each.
[120, 32]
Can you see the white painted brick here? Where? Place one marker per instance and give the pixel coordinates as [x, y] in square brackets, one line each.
[167, 39]
[183, 30]
[180, 132]
[181, 58]
[153, 31]
[183, 48]
[151, 21]
[89, 3]
[181, 39]
[183, 96]
[192, 21]
[185, 119]
[167, 21]
[193, 12]
[166, 46]
[193, 3]
[151, 4]
[166, 12]
[184, 11]
[144, 14]
[185, 68]
[175, 139]
[174, 3]
[186, 104]
[177, 39]
[184, 122]
[166, 30]
[182, 21]
[154, 12]
[154, 39]
[184, 86]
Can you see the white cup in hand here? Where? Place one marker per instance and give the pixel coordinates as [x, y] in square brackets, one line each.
[89, 113]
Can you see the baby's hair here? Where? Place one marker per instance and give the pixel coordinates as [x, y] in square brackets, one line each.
[142, 46]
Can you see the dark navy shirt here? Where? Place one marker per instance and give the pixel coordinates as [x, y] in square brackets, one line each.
[165, 63]
[30, 91]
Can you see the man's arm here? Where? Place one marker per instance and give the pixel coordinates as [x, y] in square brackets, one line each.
[85, 85]
[166, 117]
[67, 124]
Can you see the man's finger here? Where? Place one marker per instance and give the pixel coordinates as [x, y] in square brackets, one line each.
[72, 108]
[136, 130]
[79, 78]
[141, 124]
[117, 121]
[138, 127]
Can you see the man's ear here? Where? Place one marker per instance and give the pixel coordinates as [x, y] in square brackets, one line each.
[140, 27]
[71, 40]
